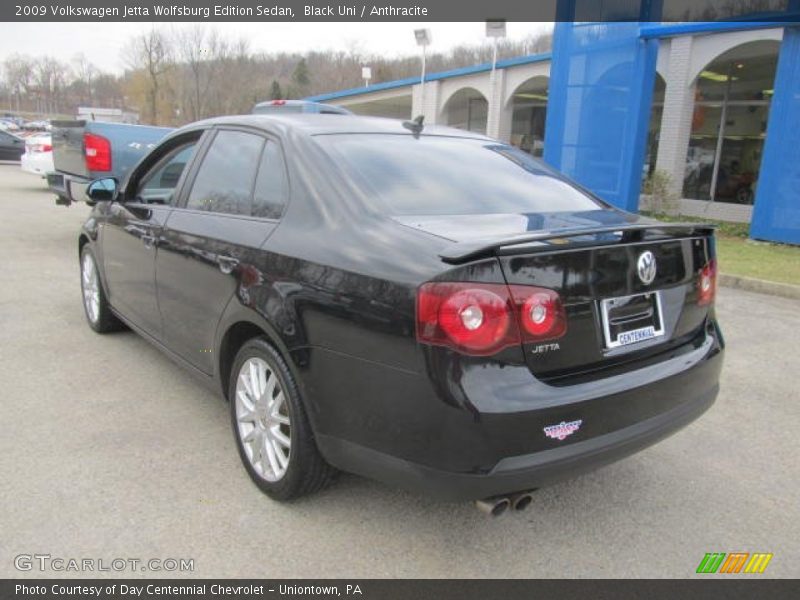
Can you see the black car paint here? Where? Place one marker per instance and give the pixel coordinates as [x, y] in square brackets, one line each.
[333, 285]
[12, 147]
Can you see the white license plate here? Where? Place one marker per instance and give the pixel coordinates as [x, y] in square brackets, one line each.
[636, 335]
[651, 328]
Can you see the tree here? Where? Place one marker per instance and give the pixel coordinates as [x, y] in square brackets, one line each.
[85, 75]
[275, 91]
[151, 53]
[19, 76]
[301, 78]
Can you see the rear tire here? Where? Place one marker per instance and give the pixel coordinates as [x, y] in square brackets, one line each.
[95, 305]
[272, 433]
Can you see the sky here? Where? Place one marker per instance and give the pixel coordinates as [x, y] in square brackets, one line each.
[102, 43]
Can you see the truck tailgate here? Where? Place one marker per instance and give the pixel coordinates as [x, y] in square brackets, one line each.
[67, 143]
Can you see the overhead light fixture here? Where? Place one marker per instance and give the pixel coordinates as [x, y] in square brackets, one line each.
[713, 76]
[739, 65]
[496, 29]
[423, 37]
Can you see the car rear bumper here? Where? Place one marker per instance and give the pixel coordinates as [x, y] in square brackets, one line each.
[37, 164]
[670, 402]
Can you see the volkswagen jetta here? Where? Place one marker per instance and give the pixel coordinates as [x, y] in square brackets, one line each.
[420, 305]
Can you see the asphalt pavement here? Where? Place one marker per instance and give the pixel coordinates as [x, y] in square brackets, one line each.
[110, 451]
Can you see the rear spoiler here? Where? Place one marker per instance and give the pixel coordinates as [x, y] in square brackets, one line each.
[460, 252]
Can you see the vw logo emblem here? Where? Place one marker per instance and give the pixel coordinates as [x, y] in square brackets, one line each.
[646, 267]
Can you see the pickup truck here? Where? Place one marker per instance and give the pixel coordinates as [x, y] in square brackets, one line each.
[87, 150]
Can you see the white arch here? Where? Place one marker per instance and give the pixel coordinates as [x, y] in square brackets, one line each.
[706, 49]
[517, 76]
[513, 87]
[450, 87]
[445, 104]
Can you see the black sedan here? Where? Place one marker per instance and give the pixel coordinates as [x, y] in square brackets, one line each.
[12, 147]
[420, 305]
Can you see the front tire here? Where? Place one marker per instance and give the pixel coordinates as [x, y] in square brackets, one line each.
[95, 305]
[273, 436]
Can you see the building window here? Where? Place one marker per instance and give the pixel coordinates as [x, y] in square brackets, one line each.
[529, 113]
[729, 123]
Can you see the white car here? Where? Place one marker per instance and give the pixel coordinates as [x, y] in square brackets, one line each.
[38, 157]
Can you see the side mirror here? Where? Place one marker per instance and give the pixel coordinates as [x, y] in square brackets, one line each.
[102, 190]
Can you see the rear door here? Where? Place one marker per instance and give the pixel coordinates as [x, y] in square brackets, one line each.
[130, 233]
[209, 250]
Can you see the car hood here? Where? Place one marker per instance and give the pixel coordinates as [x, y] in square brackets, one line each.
[464, 228]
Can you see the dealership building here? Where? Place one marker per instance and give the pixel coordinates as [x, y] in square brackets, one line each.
[691, 101]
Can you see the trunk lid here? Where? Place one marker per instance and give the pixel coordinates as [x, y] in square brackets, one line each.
[615, 319]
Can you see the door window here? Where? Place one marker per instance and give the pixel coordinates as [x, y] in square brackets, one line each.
[269, 196]
[224, 182]
[158, 185]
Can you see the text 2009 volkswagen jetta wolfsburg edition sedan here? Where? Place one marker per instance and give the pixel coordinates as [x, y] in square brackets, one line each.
[420, 305]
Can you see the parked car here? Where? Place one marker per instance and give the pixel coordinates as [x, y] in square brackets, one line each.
[37, 126]
[420, 305]
[86, 150]
[38, 157]
[8, 125]
[298, 106]
[11, 146]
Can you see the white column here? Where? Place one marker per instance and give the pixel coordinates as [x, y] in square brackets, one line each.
[430, 101]
[676, 119]
[494, 124]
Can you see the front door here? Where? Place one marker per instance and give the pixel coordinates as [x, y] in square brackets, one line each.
[130, 237]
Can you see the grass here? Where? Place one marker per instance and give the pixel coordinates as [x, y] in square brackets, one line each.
[738, 255]
[759, 260]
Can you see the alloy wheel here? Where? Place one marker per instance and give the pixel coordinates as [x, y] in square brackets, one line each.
[262, 419]
[91, 288]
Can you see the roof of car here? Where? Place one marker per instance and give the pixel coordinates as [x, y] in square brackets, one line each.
[322, 124]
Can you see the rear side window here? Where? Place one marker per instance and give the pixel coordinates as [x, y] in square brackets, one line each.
[224, 183]
[437, 175]
[269, 195]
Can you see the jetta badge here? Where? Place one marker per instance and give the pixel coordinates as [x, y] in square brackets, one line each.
[646, 267]
[563, 429]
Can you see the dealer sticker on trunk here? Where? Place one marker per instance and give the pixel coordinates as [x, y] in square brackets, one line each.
[636, 335]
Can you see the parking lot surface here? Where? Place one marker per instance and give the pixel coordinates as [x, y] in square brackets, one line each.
[109, 450]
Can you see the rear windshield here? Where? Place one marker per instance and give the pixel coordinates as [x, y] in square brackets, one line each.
[435, 175]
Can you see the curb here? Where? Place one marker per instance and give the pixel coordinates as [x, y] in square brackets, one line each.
[785, 290]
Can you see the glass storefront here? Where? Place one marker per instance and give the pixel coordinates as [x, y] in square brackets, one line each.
[529, 108]
[467, 109]
[654, 130]
[729, 123]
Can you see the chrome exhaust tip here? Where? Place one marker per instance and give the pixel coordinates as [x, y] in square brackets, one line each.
[522, 500]
[494, 507]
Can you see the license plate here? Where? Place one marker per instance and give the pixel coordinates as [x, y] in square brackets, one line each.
[629, 320]
[636, 335]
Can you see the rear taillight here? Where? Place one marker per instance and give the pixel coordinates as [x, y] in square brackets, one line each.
[98, 152]
[45, 148]
[481, 318]
[541, 316]
[707, 283]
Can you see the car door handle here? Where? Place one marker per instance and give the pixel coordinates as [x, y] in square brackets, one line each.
[149, 241]
[227, 264]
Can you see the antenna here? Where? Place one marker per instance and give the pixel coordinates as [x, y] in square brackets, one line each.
[416, 125]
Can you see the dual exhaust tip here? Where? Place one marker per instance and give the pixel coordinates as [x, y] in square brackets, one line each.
[497, 505]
